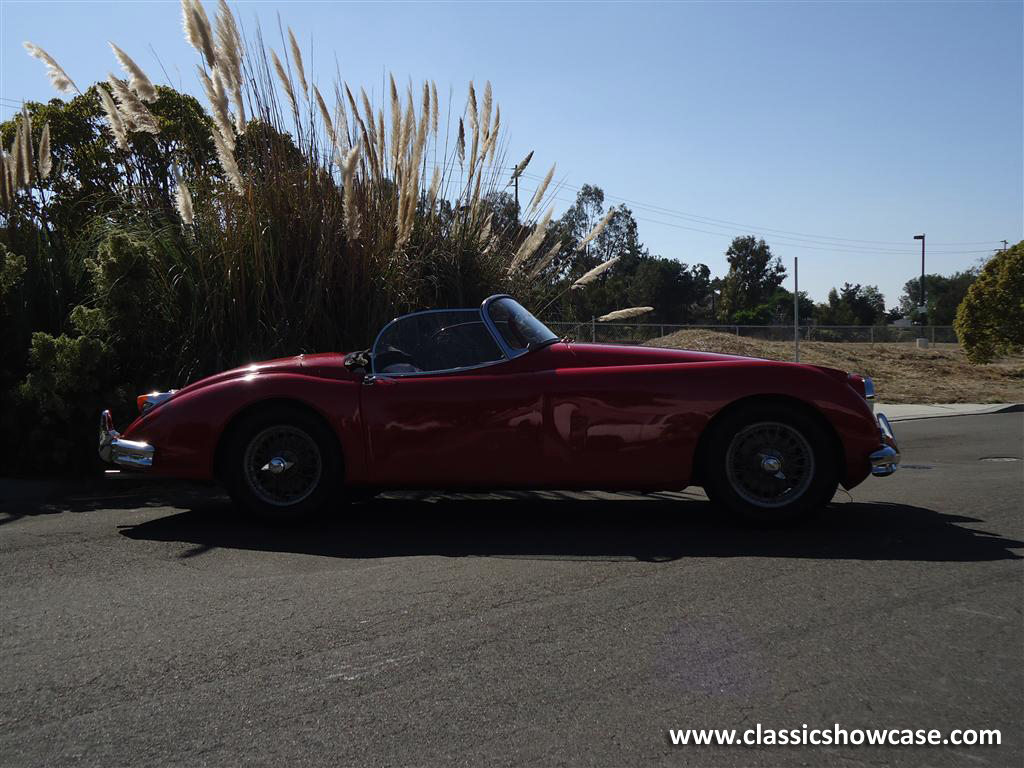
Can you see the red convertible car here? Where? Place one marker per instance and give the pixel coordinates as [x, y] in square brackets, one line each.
[491, 398]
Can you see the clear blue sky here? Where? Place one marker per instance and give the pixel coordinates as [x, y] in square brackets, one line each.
[862, 121]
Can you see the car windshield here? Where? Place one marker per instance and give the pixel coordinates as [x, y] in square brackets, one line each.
[518, 328]
[441, 340]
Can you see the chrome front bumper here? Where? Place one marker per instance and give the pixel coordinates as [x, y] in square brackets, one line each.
[124, 453]
[886, 459]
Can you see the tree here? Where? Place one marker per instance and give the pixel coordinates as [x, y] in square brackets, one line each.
[942, 295]
[853, 304]
[990, 319]
[676, 290]
[754, 274]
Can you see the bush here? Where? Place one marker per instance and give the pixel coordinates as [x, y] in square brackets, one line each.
[148, 242]
[990, 319]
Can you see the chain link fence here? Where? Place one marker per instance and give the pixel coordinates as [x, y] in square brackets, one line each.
[638, 333]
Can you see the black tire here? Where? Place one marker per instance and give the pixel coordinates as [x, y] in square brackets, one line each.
[745, 449]
[282, 465]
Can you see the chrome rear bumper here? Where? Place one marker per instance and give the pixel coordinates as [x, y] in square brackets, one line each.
[124, 453]
[886, 459]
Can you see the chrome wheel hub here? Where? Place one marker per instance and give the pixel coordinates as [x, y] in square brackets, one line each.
[276, 465]
[282, 465]
[769, 464]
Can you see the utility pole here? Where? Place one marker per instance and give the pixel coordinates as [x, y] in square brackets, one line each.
[516, 180]
[1005, 244]
[921, 305]
[796, 308]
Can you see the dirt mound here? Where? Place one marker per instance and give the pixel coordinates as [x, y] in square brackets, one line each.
[902, 373]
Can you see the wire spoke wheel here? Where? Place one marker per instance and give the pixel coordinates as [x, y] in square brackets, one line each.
[769, 464]
[282, 465]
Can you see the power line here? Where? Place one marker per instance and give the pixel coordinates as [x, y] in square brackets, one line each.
[829, 247]
[789, 241]
[714, 221]
[793, 239]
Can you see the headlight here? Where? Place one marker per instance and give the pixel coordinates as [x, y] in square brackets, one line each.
[153, 399]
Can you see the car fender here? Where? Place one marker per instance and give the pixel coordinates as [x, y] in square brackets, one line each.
[186, 430]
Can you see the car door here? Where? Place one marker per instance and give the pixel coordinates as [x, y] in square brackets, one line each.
[445, 407]
[477, 429]
[623, 427]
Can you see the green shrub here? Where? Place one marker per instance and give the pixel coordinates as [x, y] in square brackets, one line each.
[990, 320]
[69, 378]
[158, 242]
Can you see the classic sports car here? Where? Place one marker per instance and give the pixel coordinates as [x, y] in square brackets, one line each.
[491, 398]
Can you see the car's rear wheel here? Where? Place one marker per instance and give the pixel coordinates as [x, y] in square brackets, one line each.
[771, 464]
[281, 465]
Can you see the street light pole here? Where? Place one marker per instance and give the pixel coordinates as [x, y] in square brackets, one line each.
[921, 304]
[796, 309]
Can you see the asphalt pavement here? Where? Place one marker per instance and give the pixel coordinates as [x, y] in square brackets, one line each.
[150, 626]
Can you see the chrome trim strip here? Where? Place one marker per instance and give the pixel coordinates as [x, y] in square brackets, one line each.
[421, 374]
[132, 453]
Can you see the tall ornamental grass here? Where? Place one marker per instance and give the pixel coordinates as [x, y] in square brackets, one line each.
[148, 241]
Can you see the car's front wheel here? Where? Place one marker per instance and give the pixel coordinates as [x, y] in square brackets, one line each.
[282, 465]
[772, 464]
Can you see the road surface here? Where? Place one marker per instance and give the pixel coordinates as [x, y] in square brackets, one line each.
[149, 627]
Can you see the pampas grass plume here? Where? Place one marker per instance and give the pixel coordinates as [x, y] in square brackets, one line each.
[597, 230]
[113, 117]
[348, 176]
[538, 195]
[624, 314]
[518, 170]
[531, 243]
[297, 58]
[182, 197]
[137, 79]
[593, 274]
[227, 162]
[286, 82]
[58, 77]
[546, 259]
[197, 29]
[45, 159]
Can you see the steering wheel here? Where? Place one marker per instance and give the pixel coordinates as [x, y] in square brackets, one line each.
[518, 334]
[391, 356]
[442, 344]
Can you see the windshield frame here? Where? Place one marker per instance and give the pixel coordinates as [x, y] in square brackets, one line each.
[510, 351]
[373, 350]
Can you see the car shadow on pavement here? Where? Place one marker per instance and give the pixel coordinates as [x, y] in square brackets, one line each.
[609, 527]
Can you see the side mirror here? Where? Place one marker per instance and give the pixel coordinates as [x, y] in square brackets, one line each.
[357, 361]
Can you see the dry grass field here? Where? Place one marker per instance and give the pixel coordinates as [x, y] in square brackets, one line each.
[902, 373]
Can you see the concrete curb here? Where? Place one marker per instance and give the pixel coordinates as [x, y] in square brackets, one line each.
[914, 411]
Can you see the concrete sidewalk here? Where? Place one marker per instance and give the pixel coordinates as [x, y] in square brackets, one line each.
[908, 411]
